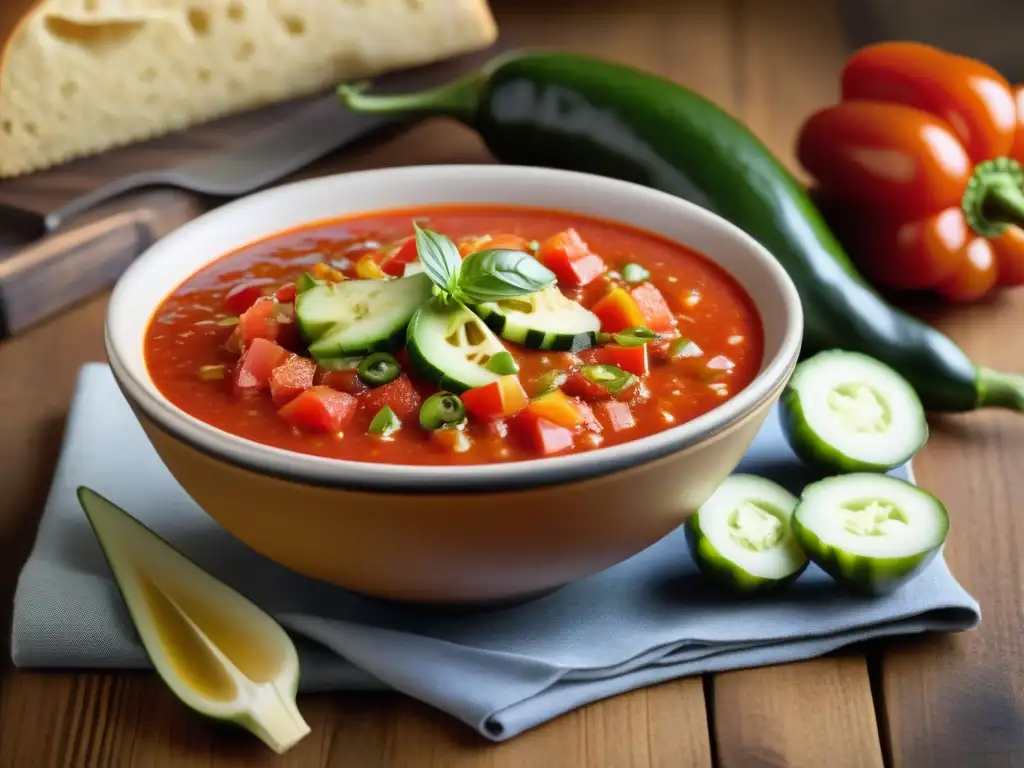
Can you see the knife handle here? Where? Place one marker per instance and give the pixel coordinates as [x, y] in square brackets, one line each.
[62, 269]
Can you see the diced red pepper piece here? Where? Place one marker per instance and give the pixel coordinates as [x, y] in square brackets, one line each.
[320, 409]
[545, 437]
[654, 308]
[496, 400]
[399, 395]
[253, 371]
[618, 415]
[290, 379]
[618, 310]
[557, 408]
[580, 386]
[630, 359]
[286, 293]
[344, 381]
[569, 257]
[243, 296]
[404, 252]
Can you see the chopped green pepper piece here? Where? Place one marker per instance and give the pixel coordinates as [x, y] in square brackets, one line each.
[502, 363]
[305, 282]
[442, 409]
[549, 381]
[634, 273]
[385, 422]
[683, 347]
[634, 337]
[611, 377]
[379, 368]
[212, 372]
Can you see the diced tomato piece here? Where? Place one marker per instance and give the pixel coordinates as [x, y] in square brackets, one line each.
[580, 386]
[399, 395]
[589, 419]
[243, 296]
[557, 408]
[498, 399]
[545, 437]
[452, 440]
[343, 381]
[290, 379]
[286, 293]
[618, 310]
[395, 260]
[257, 364]
[567, 255]
[654, 308]
[618, 415]
[259, 322]
[320, 409]
[631, 359]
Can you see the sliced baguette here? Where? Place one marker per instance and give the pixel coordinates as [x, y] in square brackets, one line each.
[78, 77]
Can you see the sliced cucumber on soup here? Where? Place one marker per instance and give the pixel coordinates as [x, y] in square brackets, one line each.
[451, 347]
[870, 532]
[847, 412]
[357, 317]
[741, 537]
[542, 320]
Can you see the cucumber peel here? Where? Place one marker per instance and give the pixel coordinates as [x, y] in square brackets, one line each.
[871, 533]
[741, 537]
[847, 412]
[220, 654]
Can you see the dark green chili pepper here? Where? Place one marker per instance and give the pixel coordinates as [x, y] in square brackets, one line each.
[442, 410]
[379, 368]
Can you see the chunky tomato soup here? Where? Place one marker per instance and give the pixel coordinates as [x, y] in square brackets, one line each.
[454, 335]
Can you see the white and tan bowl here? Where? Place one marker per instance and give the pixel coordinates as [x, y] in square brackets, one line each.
[444, 533]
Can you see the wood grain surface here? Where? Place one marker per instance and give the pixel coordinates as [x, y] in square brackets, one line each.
[916, 703]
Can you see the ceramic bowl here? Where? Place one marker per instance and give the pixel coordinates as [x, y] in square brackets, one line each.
[451, 534]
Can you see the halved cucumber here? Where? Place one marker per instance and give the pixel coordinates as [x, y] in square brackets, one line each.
[542, 320]
[870, 532]
[357, 317]
[741, 537]
[450, 347]
[847, 412]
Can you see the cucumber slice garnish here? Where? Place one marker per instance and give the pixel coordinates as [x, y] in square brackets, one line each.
[542, 320]
[870, 532]
[847, 412]
[451, 347]
[741, 537]
[358, 317]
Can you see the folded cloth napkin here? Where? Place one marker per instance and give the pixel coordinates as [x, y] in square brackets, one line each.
[643, 621]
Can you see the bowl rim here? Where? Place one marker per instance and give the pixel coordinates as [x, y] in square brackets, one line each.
[473, 478]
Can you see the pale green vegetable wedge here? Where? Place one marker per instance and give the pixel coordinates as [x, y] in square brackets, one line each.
[219, 653]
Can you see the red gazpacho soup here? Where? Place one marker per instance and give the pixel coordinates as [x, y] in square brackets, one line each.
[454, 335]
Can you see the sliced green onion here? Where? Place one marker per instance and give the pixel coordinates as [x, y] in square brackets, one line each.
[611, 377]
[683, 347]
[634, 273]
[228, 321]
[379, 368]
[442, 410]
[304, 283]
[212, 372]
[502, 363]
[634, 337]
[549, 382]
[385, 422]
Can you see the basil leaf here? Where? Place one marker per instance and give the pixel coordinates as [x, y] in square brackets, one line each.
[497, 274]
[634, 337]
[440, 258]
[611, 377]
[502, 363]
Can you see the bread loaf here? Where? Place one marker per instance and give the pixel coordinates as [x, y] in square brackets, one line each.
[81, 76]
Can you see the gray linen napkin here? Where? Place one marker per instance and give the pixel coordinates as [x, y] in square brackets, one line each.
[646, 620]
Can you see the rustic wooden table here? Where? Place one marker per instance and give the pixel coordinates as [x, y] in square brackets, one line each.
[920, 702]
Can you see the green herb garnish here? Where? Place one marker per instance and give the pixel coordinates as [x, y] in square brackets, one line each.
[634, 337]
[441, 261]
[634, 273]
[611, 377]
[683, 347]
[549, 382]
[502, 363]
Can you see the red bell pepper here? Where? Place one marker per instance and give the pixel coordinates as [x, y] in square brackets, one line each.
[545, 437]
[568, 256]
[631, 359]
[618, 310]
[917, 170]
[501, 398]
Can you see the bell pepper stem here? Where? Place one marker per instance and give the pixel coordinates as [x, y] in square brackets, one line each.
[458, 99]
[994, 197]
[1000, 390]
[1004, 203]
